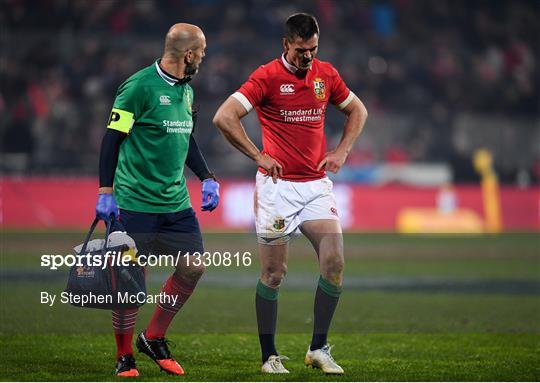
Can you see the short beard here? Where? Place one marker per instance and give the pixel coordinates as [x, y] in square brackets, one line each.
[190, 70]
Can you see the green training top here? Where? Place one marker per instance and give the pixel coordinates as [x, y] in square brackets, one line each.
[154, 109]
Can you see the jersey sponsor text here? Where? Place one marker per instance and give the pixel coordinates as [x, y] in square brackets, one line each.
[184, 126]
[302, 115]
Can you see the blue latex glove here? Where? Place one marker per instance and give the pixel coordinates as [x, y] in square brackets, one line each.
[105, 206]
[210, 194]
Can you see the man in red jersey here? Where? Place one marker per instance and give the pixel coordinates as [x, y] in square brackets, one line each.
[290, 95]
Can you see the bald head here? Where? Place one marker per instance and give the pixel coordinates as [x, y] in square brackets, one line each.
[180, 38]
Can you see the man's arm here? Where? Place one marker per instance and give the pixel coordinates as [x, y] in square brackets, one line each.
[227, 119]
[356, 118]
[210, 187]
[108, 159]
[195, 159]
[196, 162]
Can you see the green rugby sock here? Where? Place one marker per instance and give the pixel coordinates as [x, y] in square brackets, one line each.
[326, 300]
[266, 307]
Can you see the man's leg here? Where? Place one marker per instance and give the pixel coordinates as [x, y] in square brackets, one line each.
[141, 227]
[327, 239]
[179, 232]
[276, 207]
[273, 269]
[178, 287]
[123, 324]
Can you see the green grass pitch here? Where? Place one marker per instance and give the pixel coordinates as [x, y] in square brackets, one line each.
[414, 308]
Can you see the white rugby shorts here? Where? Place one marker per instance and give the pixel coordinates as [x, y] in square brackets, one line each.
[282, 207]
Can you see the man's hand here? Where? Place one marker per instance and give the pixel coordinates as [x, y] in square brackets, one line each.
[272, 167]
[106, 206]
[332, 161]
[210, 194]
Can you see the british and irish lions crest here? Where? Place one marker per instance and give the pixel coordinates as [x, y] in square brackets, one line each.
[319, 89]
[279, 224]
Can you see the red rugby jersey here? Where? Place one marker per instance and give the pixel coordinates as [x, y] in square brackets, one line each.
[291, 109]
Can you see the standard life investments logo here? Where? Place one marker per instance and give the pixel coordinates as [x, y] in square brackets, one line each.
[178, 126]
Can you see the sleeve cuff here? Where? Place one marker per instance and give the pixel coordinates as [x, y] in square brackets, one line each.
[347, 101]
[243, 100]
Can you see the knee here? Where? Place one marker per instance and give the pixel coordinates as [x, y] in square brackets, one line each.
[274, 276]
[334, 278]
[332, 270]
[191, 273]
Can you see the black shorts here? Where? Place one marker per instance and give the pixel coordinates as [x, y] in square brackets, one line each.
[164, 233]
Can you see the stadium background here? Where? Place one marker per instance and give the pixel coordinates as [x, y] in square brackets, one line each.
[440, 79]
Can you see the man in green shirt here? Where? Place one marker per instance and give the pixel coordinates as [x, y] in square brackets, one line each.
[141, 171]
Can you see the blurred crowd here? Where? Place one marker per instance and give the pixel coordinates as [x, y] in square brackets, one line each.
[439, 78]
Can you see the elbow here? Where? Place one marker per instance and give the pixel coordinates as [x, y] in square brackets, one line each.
[359, 115]
[365, 113]
[362, 111]
[222, 120]
[362, 115]
[219, 119]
